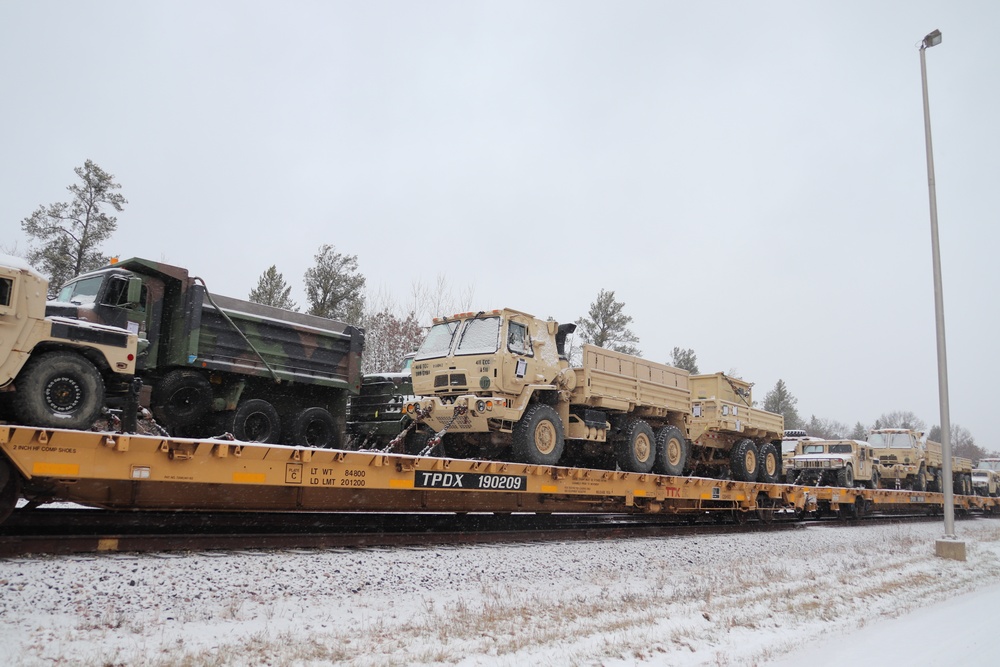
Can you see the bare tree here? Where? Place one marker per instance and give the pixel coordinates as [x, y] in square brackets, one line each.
[901, 419]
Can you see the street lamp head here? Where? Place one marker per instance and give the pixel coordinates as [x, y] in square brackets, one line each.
[933, 39]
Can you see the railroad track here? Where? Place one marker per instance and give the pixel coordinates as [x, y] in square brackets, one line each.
[66, 531]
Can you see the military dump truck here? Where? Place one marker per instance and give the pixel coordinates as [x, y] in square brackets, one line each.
[499, 384]
[218, 364]
[841, 463]
[54, 371]
[908, 460]
[375, 416]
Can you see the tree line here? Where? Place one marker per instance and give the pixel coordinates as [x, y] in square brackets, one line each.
[67, 237]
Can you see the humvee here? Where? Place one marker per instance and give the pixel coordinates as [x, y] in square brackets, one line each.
[842, 463]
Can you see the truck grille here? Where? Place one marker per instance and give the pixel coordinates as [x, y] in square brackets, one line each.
[809, 464]
[449, 381]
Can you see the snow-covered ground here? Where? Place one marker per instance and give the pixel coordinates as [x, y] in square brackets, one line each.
[821, 595]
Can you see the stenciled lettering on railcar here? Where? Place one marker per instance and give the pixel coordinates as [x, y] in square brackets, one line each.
[469, 481]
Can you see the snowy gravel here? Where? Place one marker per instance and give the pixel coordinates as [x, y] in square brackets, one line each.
[714, 600]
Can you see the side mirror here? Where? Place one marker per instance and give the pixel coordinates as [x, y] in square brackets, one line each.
[134, 290]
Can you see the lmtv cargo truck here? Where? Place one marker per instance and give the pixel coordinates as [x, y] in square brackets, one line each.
[55, 371]
[217, 364]
[909, 460]
[499, 384]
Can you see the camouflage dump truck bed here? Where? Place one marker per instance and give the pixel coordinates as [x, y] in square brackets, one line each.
[296, 346]
[620, 382]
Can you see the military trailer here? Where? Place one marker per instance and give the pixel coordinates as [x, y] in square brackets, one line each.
[841, 463]
[908, 460]
[499, 384]
[55, 371]
[216, 363]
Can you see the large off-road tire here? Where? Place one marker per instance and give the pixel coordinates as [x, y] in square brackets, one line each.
[873, 484]
[538, 436]
[256, 420]
[9, 491]
[59, 390]
[672, 450]
[790, 477]
[314, 427]
[845, 477]
[920, 483]
[635, 449]
[743, 461]
[769, 464]
[181, 398]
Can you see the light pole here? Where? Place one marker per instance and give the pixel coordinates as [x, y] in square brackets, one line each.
[949, 547]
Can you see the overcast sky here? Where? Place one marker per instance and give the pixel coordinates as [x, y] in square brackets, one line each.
[749, 178]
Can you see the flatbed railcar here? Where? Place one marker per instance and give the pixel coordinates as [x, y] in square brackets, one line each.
[113, 470]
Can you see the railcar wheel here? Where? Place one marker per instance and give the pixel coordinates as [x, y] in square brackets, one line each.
[743, 461]
[9, 491]
[256, 420]
[59, 390]
[538, 436]
[636, 449]
[671, 451]
[765, 508]
[314, 427]
[769, 464]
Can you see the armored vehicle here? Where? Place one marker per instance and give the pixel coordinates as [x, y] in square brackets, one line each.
[55, 371]
[986, 482]
[216, 364]
[842, 463]
[499, 384]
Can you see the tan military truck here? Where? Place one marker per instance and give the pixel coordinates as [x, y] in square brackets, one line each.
[499, 384]
[55, 371]
[908, 460]
[841, 463]
[986, 482]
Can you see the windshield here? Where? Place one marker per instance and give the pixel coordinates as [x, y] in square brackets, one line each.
[892, 440]
[81, 292]
[812, 449]
[989, 464]
[438, 341]
[480, 336]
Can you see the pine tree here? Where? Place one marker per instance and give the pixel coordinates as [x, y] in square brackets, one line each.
[71, 232]
[685, 359]
[272, 290]
[781, 401]
[334, 286]
[607, 326]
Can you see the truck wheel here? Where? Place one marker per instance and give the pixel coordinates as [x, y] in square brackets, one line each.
[769, 464]
[790, 477]
[671, 451]
[538, 436]
[181, 398]
[314, 427]
[743, 461]
[256, 420]
[845, 477]
[636, 449]
[920, 484]
[874, 482]
[60, 390]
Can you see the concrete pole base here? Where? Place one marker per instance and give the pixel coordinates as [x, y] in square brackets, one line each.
[951, 549]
